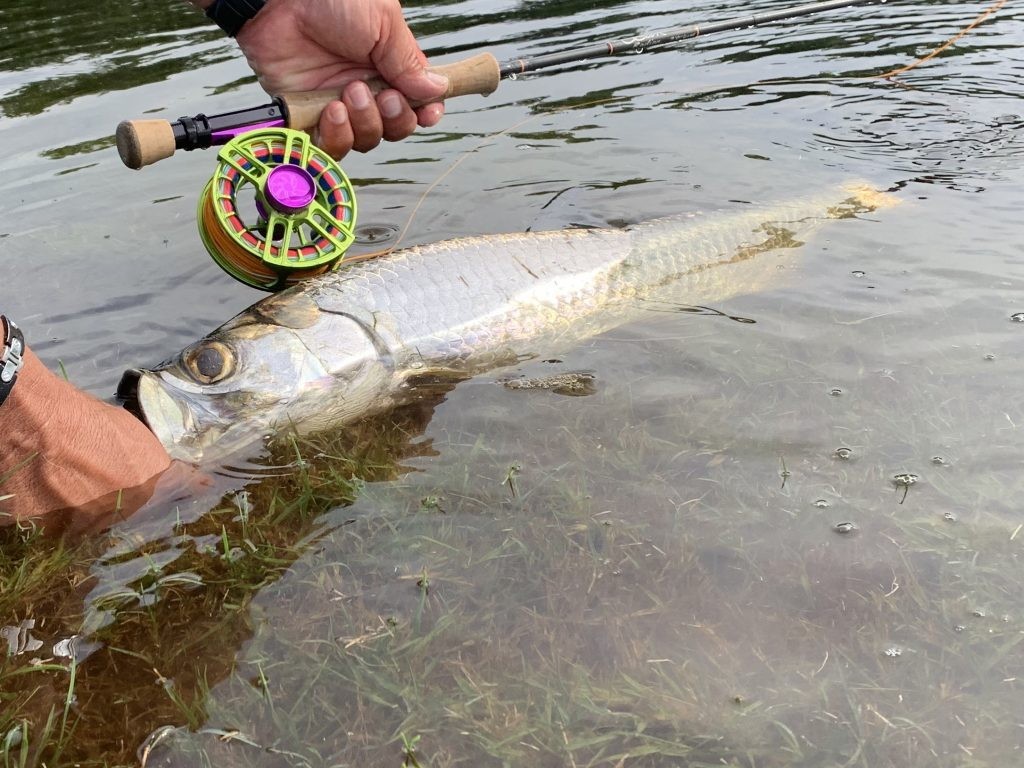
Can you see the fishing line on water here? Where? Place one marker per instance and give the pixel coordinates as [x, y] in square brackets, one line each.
[458, 161]
[984, 15]
[557, 110]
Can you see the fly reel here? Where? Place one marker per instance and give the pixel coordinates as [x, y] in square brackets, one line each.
[278, 209]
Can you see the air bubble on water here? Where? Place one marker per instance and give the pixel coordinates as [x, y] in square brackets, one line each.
[858, 273]
[893, 652]
[959, 628]
[949, 517]
[835, 391]
[978, 613]
[845, 527]
[1017, 317]
[940, 460]
[904, 479]
[371, 234]
[821, 503]
[843, 453]
[513, 76]
[990, 356]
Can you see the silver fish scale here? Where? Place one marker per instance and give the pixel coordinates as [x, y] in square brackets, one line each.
[465, 302]
[472, 302]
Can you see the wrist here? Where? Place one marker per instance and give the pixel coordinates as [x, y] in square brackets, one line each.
[39, 398]
[65, 449]
[23, 423]
[12, 356]
[29, 405]
[232, 15]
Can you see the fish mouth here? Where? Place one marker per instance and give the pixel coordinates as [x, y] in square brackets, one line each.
[171, 420]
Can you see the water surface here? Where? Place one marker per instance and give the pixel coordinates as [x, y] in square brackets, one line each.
[656, 573]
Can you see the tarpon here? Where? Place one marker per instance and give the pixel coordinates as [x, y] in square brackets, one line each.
[347, 344]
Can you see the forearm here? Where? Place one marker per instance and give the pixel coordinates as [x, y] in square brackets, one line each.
[64, 449]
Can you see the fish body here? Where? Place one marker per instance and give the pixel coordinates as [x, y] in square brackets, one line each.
[342, 346]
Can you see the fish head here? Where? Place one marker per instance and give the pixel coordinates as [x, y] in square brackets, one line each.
[261, 372]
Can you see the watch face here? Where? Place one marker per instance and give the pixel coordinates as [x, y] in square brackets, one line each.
[13, 352]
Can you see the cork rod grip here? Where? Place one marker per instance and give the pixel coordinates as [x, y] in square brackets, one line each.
[143, 142]
[478, 74]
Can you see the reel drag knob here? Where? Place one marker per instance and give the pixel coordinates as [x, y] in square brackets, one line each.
[290, 189]
[277, 209]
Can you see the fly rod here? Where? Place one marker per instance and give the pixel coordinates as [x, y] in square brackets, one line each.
[143, 142]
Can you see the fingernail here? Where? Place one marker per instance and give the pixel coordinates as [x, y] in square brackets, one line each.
[438, 80]
[359, 94]
[430, 115]
[336, 113]
[390, 105]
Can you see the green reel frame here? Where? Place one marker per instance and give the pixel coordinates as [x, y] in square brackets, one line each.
[304, 211]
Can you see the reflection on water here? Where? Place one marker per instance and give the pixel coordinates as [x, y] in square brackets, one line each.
[793, 541]
[63, 51]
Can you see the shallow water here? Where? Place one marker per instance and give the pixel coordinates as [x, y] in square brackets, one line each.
[656, 573]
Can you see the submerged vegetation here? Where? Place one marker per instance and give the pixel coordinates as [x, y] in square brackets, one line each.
[622, 592]
[136, 630]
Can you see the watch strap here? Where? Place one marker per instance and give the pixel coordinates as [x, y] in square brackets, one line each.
[12, 357]
[231, 15]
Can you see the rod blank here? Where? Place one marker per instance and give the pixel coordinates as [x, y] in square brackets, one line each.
[643, 43]
[143, 142]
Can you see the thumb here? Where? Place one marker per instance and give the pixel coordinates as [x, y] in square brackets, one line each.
[402, 64]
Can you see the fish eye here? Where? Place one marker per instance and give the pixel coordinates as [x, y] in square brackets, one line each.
[209, 362]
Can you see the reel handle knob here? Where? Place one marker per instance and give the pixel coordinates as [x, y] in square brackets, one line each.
[478, 74]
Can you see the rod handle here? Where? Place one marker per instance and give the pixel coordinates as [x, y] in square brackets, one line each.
[476, 75]
[143, 142]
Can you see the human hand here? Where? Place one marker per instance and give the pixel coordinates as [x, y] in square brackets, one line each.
[304, 45]
[65, 449]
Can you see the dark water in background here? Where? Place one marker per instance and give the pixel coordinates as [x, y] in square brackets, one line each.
[665, 584]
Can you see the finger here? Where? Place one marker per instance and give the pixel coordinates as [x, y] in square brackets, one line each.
[430, 115]
[399, 119]
[367, 127]
[334, 133]
[400, 61]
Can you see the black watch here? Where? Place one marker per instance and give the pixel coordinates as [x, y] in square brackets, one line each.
[12, 357]
[231, 15]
